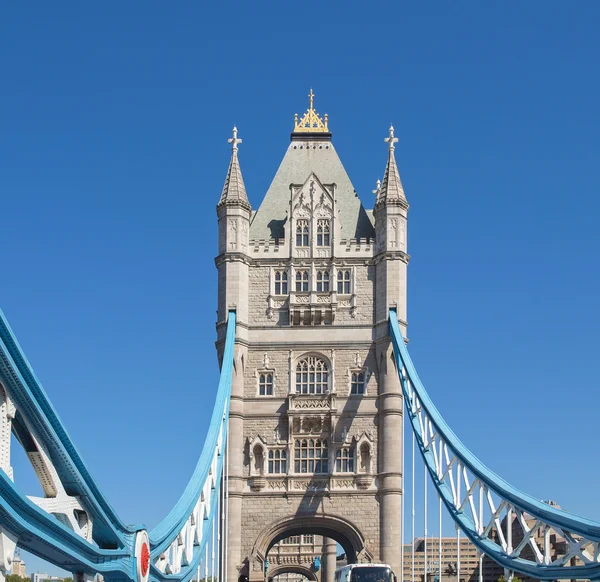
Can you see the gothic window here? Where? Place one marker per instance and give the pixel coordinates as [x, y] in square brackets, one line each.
[343, 282]
[291, 541]
[323, 281]
[265, 384]
[323, 233]
[302, 233]
[308, 539]
[344, 460]
[311, 456]
[301, 281]
[281, 283]
[277, 461]
[312, 376]
[357, 383]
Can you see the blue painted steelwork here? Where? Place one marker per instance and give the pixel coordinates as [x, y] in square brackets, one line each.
[446, 457]
[166, 533]
[111, 547]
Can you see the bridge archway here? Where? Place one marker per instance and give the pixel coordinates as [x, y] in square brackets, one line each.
[293, 569]
[342, 530]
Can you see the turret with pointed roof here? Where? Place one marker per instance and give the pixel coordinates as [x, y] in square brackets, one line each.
[391, 189]
[391, 216]
[233, 211]
[234, 191]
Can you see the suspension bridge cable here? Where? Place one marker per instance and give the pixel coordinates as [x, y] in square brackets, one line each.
[457, 554]
[440, 543]
[425, 522]
[212, 545]
[402, 509]
[227, 508]
[412, 491]
[206, 563]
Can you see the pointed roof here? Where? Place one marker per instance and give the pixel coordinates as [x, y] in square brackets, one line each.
[234, 191]
[391, 189]
[302, 158]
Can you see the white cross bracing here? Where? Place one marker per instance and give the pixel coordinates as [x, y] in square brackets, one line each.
[501, 524]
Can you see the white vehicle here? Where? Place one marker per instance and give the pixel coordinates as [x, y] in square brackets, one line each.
[365, 573]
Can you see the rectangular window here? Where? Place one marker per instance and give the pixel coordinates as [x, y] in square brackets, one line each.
[322, 281]
[302, 233]
[323, 238]
[357, 384]
[265, 384]
[281, 283]
[301, 281]
[311, 456]
[343, 282]
[277, 461]
[308, 539]
[344, 460]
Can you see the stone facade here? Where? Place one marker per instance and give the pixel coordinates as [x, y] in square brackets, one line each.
[316, 409]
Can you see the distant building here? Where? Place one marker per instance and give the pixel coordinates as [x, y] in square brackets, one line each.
[43, 577]
[18, 566]
[456, 566]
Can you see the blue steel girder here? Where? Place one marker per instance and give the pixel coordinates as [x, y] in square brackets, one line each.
[109, 547]
[513, 528]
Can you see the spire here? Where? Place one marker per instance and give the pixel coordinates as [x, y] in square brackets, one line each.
[311, 122]
[391, 189]
[234, 191]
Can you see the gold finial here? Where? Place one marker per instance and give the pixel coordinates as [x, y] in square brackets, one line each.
[234, 141]
[311, 122]
[377, 187]
[391, 139]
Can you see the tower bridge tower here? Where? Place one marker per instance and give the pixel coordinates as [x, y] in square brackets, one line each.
[315, 437]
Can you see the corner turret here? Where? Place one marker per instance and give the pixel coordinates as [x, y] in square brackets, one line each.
[233, 212]
[391, 214]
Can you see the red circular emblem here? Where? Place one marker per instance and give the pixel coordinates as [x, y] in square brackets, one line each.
[145, 559]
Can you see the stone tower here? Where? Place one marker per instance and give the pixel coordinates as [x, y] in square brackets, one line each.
[316, 408]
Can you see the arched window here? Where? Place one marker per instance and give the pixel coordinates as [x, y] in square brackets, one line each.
[301, 281]
[281, 283]
[265, 384]
[302, 233]
[323, 281]
[278, 461]
[323, 233]
[357, 384]
[344, 460]
[312, 376]
[343, 282]
[311, 456]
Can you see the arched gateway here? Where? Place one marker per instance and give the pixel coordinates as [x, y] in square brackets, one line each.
[315, 437]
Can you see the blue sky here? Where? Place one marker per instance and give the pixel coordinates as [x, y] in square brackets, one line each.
[113, 152]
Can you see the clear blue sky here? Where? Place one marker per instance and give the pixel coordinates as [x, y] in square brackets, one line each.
[114, 119]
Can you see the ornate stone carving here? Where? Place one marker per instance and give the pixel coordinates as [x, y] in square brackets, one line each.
[312, 485]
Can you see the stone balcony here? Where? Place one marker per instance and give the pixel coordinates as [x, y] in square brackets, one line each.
[311, 402]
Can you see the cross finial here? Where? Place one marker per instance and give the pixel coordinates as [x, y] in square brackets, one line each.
[234, 141]
[311, 97]
[377, 186]
[391, 139]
